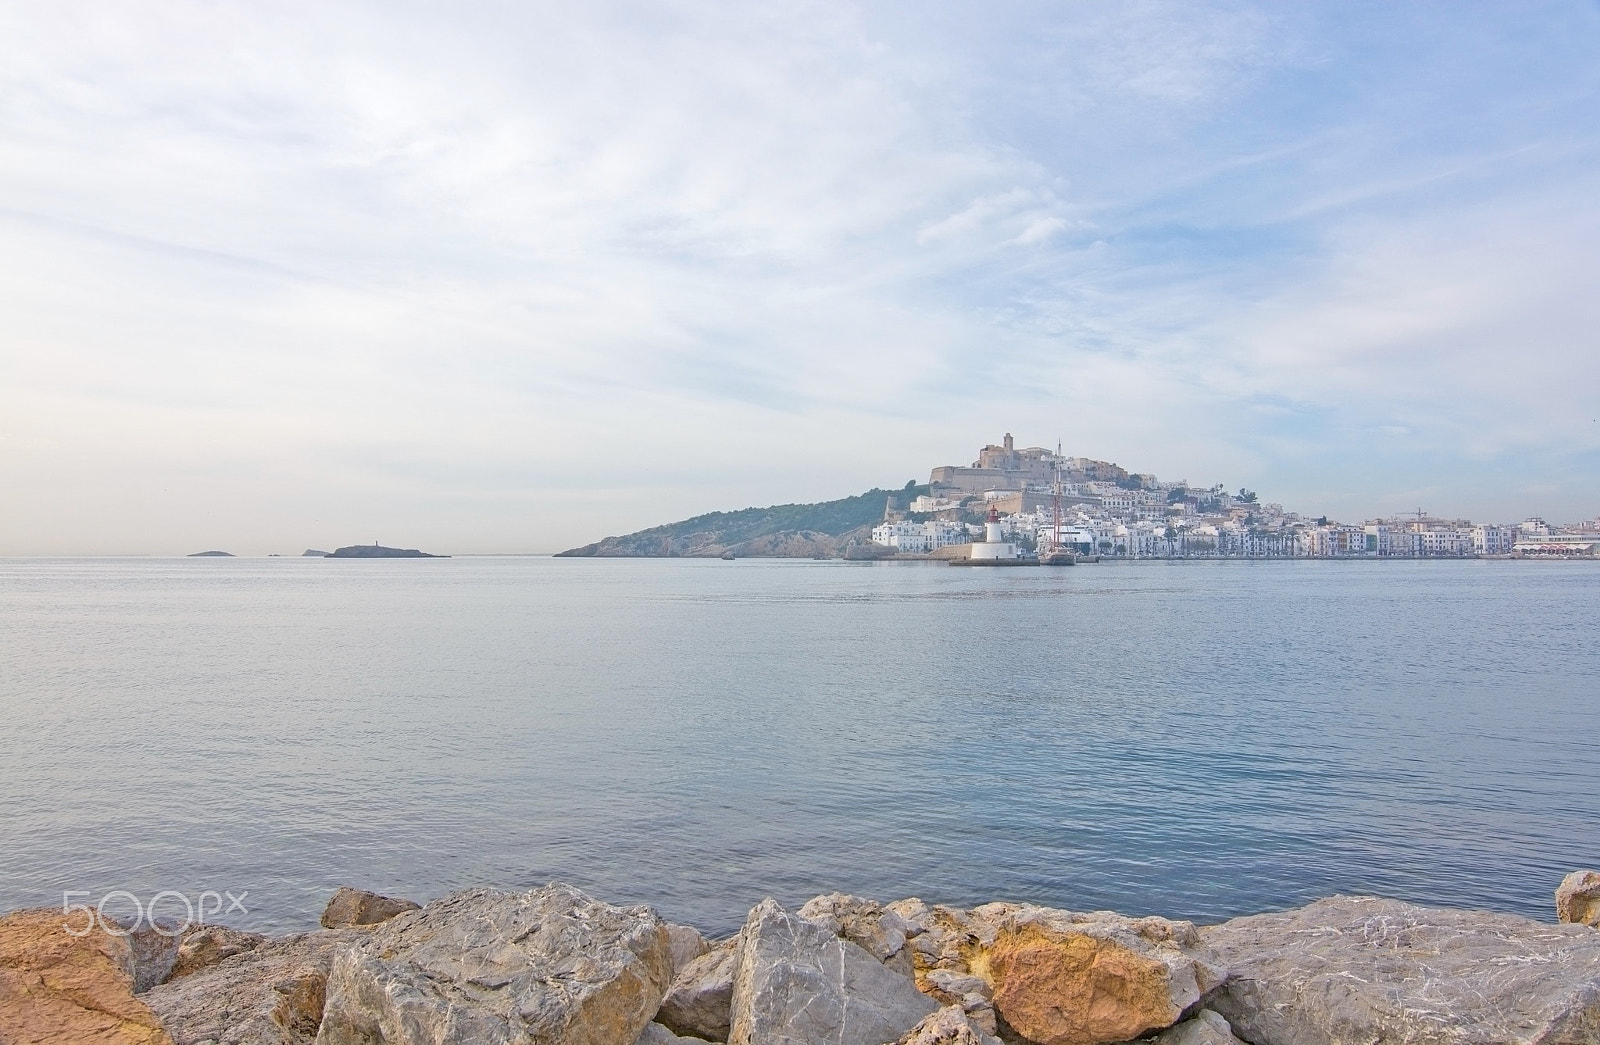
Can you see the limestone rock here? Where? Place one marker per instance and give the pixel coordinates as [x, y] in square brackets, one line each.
[949, 1026]
[205, 945]
[551, 966]
[700, 1001]
[1353, 970]
[797, 983]
[1578, 898]
[687, 945]
[267, 994]
[1203, 1028]
[656, 1034]
[353, 908]
[876, 929]
[60, 988]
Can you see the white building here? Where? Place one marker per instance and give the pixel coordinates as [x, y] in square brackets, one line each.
[1446, 542]
[919, 537]
[1493, 540]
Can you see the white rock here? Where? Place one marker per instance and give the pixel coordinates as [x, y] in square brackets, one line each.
[799, 984]
[551, 966]
[1354, 970]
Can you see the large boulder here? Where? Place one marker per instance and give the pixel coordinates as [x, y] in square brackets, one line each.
[1578, 898]
[270, 993]
[797, 983]
[203, 946]
[1059, 977]
[356, 908]
[1354, 970]
[700, 1001]
[1062, 978]
[56, 987]
[551, 966]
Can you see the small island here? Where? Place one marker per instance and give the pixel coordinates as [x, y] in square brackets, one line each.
[211, 555]
[314, 553]
[378, 551]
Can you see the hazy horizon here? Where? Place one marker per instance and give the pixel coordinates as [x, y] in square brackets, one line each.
[488, 278]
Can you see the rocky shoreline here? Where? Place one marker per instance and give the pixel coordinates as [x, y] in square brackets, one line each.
[556, 967]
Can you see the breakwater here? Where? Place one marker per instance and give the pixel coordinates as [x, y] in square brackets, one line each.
[557, 967]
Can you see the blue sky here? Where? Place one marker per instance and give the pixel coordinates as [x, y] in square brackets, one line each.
[516, 276]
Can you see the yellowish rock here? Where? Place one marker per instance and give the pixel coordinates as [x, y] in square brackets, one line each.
[1060, 977]
[58, 989]
[1578, 898]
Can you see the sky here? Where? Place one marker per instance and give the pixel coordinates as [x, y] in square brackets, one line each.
[511, 277]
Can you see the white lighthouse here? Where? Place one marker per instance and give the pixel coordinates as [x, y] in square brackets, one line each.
[995, 547]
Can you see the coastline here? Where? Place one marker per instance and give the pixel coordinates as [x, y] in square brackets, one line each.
[554, 964]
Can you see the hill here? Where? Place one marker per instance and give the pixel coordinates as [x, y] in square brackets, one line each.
[786, 530]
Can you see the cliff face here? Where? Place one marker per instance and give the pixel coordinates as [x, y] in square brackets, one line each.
[826, 528]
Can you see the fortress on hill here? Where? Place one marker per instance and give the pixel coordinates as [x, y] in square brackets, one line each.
[1004, 467]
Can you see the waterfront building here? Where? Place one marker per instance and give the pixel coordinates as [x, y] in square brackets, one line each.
[1558, 545]
[1493, 540]
[919, 537]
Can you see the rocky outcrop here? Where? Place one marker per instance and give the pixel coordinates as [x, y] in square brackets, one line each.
[1578, 898]
[700, 1000]
[797, 983]
[551, 966]
[378, 551]
[1203, 1028]
[1358, 970]
[268, 994]
[206, 945]
[56, 987]
[356, 908]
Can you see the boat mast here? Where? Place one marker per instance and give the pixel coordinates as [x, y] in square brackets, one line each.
[1055, 504]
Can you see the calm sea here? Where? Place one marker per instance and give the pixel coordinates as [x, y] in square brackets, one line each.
[1188, 739]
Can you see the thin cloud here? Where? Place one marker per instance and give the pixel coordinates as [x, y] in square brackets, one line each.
[262, 264]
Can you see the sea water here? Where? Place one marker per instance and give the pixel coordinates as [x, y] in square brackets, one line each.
[1192, 739]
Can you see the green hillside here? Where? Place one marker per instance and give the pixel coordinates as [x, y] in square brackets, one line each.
[726, 529]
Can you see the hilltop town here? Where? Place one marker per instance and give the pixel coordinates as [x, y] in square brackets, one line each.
[1046, 500]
